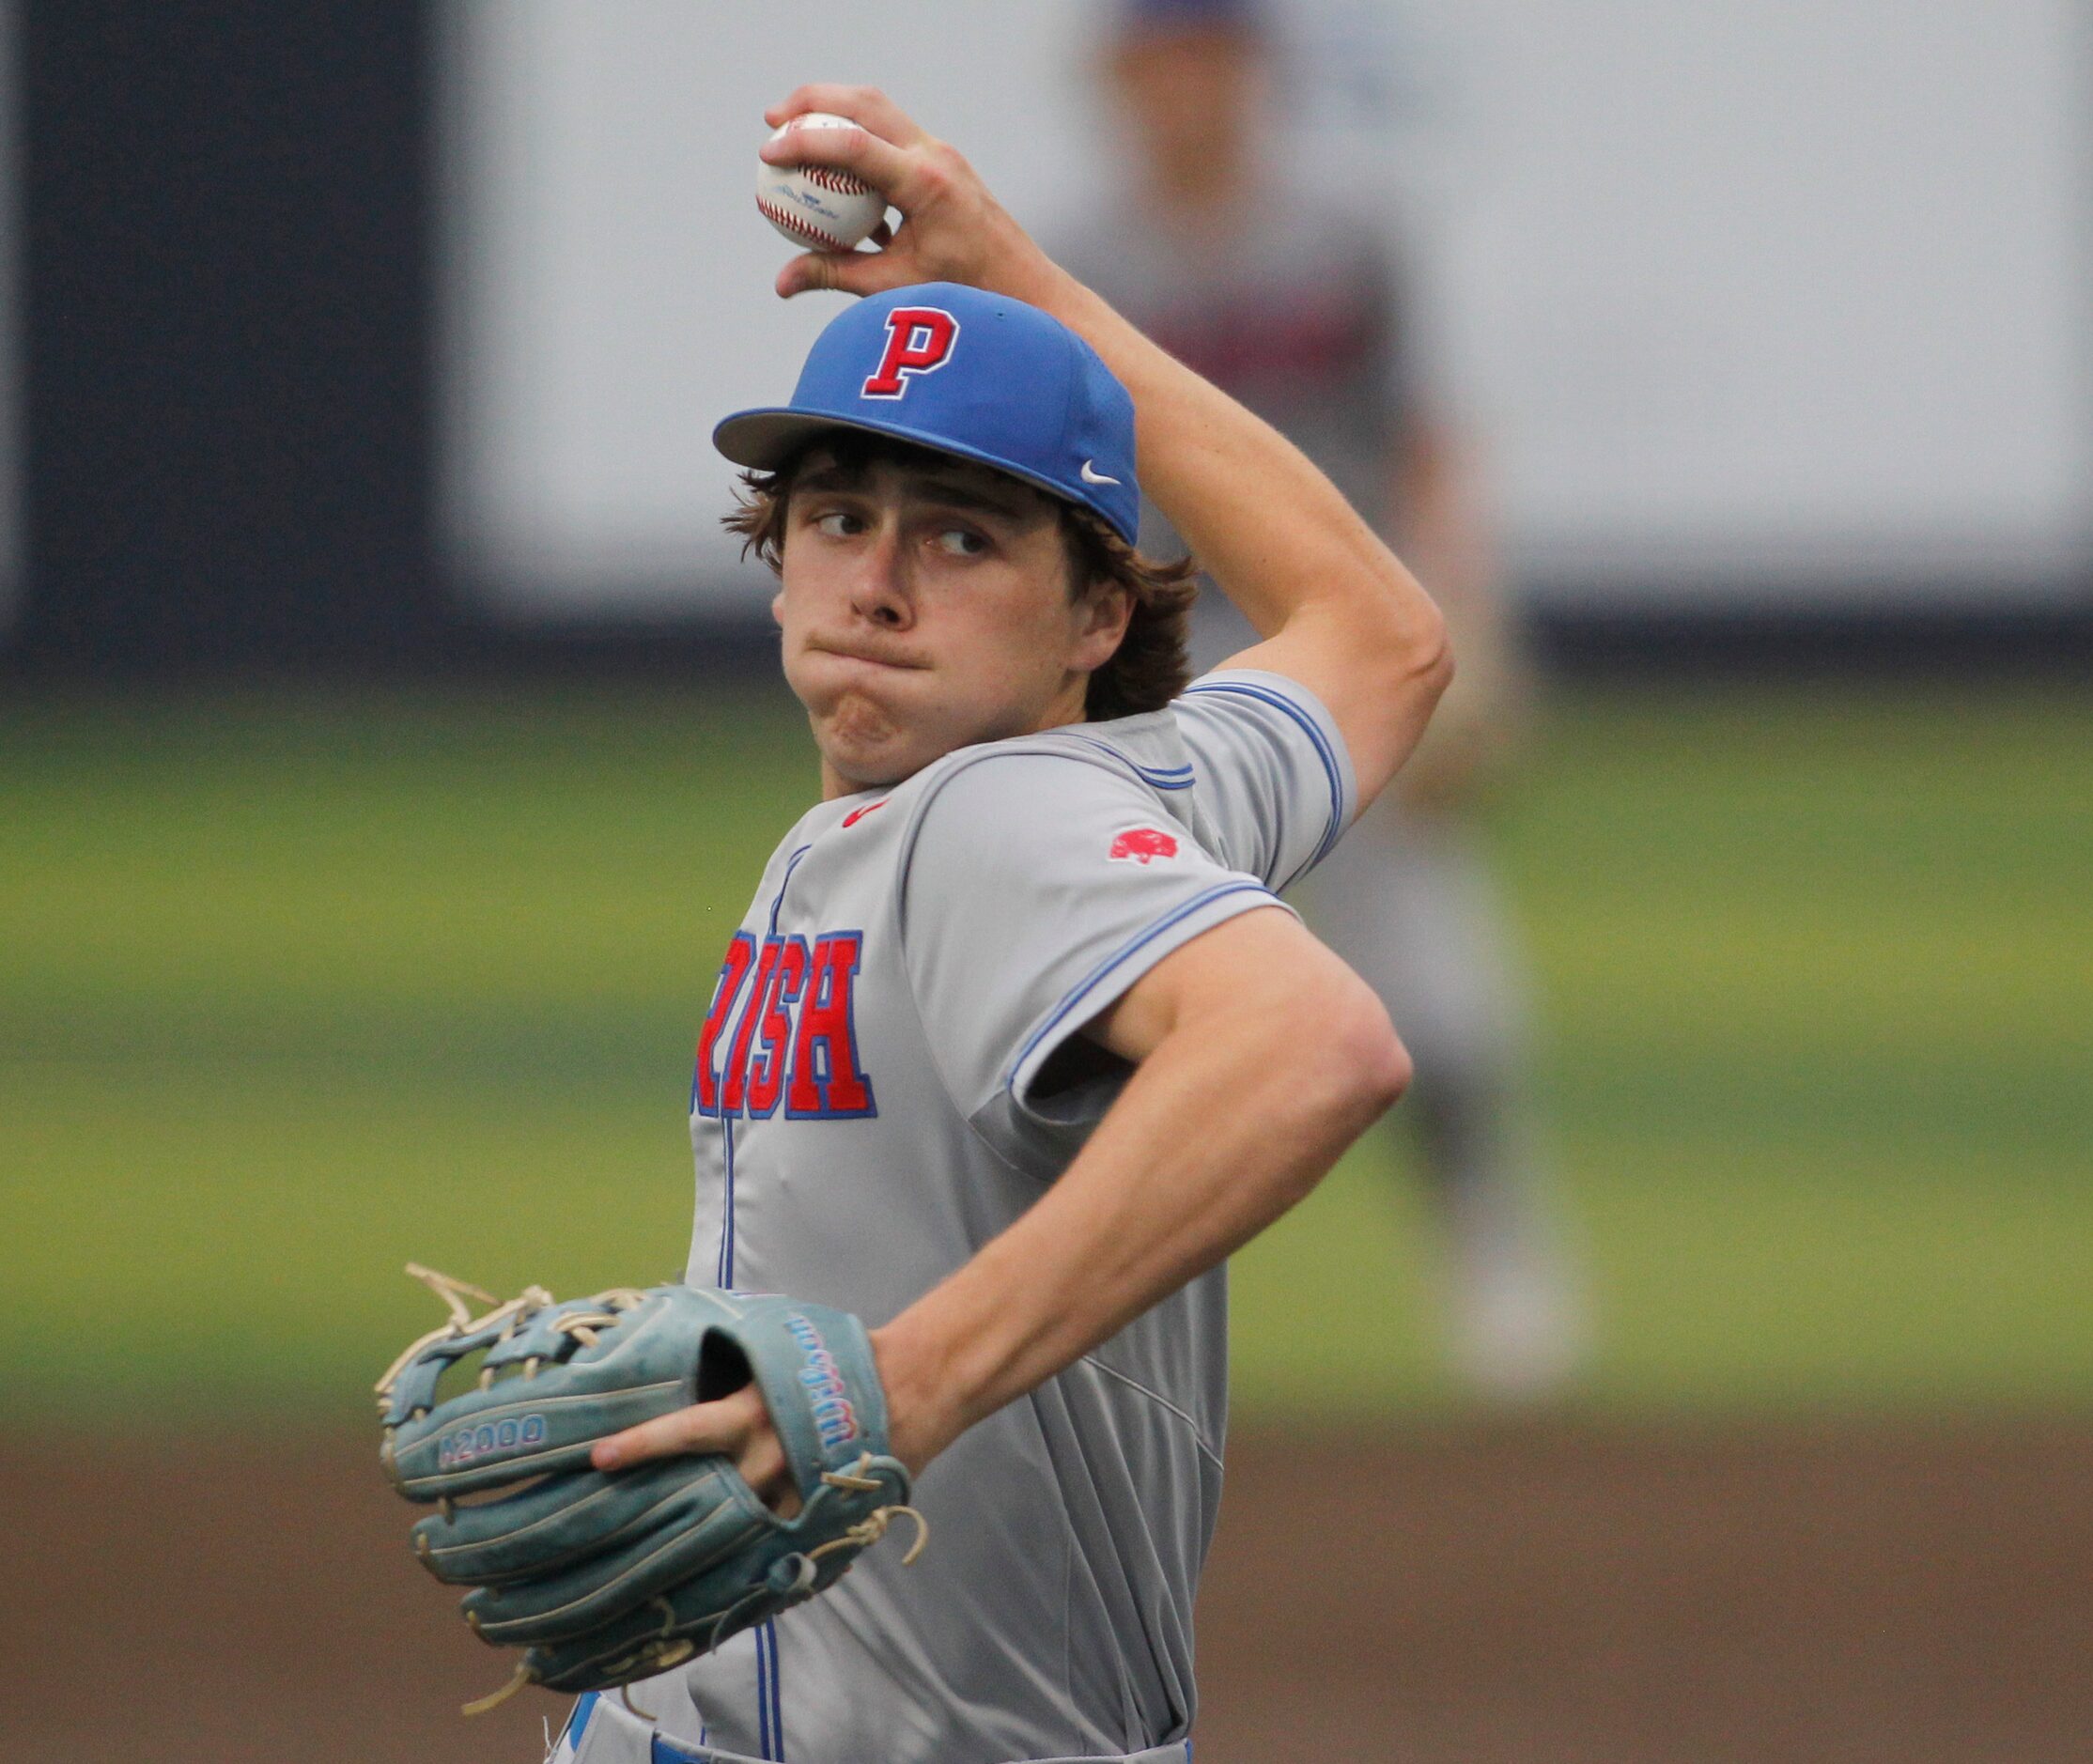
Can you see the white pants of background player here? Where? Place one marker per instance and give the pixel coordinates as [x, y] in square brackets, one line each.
[1406, 898]
[603, 1731]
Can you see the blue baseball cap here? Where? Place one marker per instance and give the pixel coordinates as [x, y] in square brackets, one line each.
[979, 376]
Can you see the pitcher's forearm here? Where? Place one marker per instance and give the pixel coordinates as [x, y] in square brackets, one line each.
[1269, 527]
[1204, 1147]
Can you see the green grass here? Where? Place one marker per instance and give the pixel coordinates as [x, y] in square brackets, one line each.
[292, 991]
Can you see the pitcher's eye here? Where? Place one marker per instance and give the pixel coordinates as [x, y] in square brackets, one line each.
[961, 542]
[838, 524]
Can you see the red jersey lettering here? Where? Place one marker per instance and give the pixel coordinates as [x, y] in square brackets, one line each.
[736, 1075]
[826, 1078]
[789, 976]
[705, 1082]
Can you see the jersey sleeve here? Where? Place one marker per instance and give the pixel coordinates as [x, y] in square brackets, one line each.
[1271, 772]
[1036, 889]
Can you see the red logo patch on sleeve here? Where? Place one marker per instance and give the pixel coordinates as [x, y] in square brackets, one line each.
[1142, 846]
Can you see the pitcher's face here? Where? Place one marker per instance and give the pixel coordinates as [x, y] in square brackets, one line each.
[927, 606]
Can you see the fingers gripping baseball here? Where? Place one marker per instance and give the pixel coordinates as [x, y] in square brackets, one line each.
[952, 228]
[865, 106]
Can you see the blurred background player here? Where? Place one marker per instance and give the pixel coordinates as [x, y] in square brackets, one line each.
[1303, 311]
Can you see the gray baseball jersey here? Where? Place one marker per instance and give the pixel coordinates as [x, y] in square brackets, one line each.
[892, 1071]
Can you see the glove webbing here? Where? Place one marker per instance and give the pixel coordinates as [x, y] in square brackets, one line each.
[864, 1534]
[583, 1324]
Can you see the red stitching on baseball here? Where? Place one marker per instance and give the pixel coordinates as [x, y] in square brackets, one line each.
[795, 226]
[842, 183]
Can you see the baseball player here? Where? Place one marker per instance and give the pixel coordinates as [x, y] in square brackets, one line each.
[1275, 291]
[1016, 1041]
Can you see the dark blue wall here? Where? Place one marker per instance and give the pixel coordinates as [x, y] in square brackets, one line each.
[227, 304]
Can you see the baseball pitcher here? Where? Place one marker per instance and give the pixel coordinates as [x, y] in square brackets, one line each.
[1016, 1043]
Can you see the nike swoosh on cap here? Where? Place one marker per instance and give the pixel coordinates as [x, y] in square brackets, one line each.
[1092, 475]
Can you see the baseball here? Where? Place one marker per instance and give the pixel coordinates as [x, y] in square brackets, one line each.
[815, 208]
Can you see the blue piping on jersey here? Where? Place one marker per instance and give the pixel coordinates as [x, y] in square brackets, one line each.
[778, 900]
[1096, 977]
[726, 1211]
[1331, 770]
[763, 1701]
[770, 1715]
[1161, 777]
[777, 1690]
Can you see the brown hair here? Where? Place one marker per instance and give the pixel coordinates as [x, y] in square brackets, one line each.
[1150, 667]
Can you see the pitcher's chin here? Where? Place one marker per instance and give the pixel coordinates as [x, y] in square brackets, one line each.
[864, 745]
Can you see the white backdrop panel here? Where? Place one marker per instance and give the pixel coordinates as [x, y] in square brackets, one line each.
[1791, 294]
[1787, 298]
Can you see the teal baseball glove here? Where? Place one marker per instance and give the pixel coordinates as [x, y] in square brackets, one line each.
[603, 1577]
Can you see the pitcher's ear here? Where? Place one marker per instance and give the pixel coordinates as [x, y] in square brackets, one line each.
[1106, 609]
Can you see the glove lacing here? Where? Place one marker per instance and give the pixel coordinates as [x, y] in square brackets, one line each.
[667, 1650]
[870, 1529]
[583, 1326]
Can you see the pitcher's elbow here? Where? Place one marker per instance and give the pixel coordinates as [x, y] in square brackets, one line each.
[1407, 647]
[1431, 658]
[1390, 1073]
[1378, 1066]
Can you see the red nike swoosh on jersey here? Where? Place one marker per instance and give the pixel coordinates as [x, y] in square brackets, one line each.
[858, 814]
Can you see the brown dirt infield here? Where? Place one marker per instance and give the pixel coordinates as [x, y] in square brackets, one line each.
[1538, 1594]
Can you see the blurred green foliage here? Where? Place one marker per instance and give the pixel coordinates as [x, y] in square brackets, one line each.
[293, 989]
